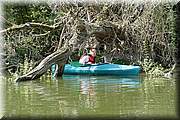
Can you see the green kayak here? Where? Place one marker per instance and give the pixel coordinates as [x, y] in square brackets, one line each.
[99, 69]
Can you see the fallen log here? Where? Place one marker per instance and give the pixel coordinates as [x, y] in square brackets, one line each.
[58, 57]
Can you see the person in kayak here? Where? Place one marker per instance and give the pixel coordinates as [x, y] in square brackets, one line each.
[88, 58]
[92, 56]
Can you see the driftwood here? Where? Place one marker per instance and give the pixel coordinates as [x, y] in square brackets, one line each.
[58, 57]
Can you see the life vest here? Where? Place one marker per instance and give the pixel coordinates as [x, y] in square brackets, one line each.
[92, 59]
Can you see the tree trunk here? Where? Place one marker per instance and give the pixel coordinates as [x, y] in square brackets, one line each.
[59, 57]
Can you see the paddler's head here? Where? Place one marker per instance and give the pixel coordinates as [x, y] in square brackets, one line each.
[92, 51]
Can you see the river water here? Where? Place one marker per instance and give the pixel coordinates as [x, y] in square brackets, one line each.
[91, 96]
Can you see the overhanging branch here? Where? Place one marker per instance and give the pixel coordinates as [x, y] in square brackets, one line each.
[26, 25]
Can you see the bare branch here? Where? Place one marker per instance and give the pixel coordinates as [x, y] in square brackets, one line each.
[61, 36]
[26, 25]
[38, 35]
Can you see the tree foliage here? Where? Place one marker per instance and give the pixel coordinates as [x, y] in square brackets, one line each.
[127, 31]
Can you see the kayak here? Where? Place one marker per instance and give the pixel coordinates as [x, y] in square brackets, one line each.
[100, 69]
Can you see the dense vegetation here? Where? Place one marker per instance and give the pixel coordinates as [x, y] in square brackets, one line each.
[130, 33]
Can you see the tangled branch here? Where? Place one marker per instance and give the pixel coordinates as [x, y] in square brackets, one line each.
[31, 24]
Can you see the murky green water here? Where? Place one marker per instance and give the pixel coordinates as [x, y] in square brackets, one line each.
[91, 96]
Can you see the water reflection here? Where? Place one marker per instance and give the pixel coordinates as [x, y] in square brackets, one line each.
[87, 83]
[74, 96]
[91, 86]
